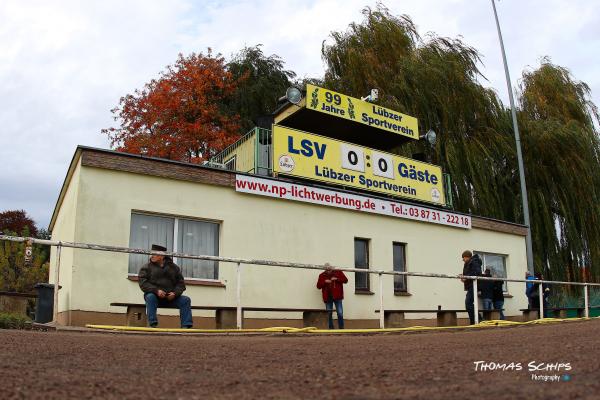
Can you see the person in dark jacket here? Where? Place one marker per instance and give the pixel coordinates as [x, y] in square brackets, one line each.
[331, 282]
[533, 293]
[162, 283]
[498, 295]
[487, 290]
[471, 267]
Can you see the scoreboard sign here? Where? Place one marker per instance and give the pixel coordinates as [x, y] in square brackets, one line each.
[309, 156]
[342, 106]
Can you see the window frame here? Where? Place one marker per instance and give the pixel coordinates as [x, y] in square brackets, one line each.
[367, 242]
[404, 277]
[176, 219]
[504, 257]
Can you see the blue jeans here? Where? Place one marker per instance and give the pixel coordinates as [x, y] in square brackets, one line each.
[182, 302]
[339, 309]
[487, 304]
[499, 305]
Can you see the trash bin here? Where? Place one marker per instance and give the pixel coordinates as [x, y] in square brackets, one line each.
[45, 302]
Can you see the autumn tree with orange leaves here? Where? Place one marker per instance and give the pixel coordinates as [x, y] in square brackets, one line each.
[179, 116]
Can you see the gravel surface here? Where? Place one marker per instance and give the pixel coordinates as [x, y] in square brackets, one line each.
[438, 365]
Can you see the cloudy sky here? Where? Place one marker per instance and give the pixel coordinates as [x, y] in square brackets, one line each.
[65, 64]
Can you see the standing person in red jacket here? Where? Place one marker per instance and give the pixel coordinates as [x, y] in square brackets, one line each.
[331, 283]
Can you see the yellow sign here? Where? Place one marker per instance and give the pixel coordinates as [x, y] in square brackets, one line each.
[304, 155]
[340, 105]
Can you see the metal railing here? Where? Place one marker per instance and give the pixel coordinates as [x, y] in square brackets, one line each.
[239, 261]
[252, 153]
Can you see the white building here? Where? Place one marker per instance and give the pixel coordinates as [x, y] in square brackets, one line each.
[118, 199]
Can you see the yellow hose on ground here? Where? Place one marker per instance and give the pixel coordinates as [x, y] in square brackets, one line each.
[282, 329]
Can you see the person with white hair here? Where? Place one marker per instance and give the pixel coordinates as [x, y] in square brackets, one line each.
[331, 282]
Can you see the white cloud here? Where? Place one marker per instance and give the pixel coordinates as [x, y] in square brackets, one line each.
[65, 64]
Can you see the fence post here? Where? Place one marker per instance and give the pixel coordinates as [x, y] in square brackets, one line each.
[475, 301]
[56, 286]
[381, 310]
[238, 311]
[541, 291]
[586, 301]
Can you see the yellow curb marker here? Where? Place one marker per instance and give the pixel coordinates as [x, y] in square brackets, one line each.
[283, 329]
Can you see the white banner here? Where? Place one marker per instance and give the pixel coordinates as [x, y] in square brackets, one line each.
[307, 194]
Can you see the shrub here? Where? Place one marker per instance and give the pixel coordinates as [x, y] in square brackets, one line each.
[14, 321]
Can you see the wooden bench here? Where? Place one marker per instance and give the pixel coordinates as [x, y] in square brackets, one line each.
[396, 318]
[226, 316]
[530, 314]
[13, 302]
[317, 317]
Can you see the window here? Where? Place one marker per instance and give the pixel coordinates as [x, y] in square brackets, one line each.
[196, 237]
[147, 230]
[496, 263]
[177, 235]
[399, 256]
[361, 260]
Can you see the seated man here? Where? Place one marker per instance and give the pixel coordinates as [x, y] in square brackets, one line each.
[162, 283]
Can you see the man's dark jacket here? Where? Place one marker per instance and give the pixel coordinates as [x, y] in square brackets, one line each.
[498, 291]
[472, 268]
[153, 277]
[534, 294]
[487, 288]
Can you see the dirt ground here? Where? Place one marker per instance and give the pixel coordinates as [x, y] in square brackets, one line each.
[438, 365]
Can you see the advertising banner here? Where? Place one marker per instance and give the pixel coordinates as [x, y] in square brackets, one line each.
[331, 198]
[342, 106]
[304, 155]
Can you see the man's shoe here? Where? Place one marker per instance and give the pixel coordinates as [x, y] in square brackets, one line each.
[154, 325]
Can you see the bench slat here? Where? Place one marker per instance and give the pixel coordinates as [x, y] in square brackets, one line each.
[230, 308]
[421, 311]
[557, 309]
[192, 307]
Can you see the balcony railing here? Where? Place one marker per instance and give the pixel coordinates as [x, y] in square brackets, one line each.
[252, 153]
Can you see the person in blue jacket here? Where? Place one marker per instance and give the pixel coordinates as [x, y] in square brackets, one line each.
[528, 285]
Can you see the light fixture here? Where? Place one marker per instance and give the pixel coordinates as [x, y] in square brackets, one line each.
[292, 94]
[372, 97]
[430, 136]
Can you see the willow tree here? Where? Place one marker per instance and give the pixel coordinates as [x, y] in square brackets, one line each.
[562, 162]
[262, 80]
[436, 80]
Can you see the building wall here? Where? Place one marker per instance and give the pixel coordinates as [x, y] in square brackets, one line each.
[65, 229]
[98, 206]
